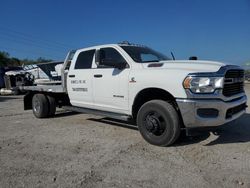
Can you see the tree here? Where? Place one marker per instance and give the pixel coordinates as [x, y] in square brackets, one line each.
[42, 60]
[7, 61]
[27, 61]
[15, 62]
[4, 59]
[246, 66]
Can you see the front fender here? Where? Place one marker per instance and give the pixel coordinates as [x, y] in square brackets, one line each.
[169, 81]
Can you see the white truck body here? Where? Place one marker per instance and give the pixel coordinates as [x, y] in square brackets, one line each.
[117, 90]
[101, 92]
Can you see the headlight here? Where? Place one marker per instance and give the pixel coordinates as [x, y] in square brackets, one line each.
[203, 84]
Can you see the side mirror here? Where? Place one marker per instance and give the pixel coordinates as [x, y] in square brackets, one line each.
[193, 58]
[113, 63]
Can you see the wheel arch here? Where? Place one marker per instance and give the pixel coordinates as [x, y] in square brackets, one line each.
[61, 98]
[152, 93]
[27, 100]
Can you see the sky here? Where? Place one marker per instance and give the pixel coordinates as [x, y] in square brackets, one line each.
[210, 29]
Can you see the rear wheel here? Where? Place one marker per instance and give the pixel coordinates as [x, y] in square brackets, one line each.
[158, 123]
[52, 105]
[40, 106]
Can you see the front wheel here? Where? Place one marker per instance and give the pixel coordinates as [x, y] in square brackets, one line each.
[158, 123]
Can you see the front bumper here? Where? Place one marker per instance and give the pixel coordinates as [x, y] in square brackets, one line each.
[191, 118]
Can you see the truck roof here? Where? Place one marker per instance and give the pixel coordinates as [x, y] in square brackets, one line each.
[124, 43]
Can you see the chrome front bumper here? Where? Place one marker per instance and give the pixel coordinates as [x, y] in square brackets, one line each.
[191, 119]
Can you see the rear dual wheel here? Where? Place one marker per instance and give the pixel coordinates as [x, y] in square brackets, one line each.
[43, 105]
[52, 105]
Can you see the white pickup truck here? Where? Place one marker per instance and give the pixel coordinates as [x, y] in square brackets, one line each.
[134, 82]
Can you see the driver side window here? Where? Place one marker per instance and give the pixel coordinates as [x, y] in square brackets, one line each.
[110, 54]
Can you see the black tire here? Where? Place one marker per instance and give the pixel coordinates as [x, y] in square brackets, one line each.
[159, 123]
[40, 106]
[52, 105]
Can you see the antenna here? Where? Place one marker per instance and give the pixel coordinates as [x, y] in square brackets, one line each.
[172, 55]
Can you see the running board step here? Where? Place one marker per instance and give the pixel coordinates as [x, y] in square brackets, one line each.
[119, 116]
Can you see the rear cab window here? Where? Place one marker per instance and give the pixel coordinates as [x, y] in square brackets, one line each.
[85, 59]
[69, 59]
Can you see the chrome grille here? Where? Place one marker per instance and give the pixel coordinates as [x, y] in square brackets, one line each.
[234, 82]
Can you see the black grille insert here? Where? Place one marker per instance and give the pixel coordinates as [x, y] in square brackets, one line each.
[235, 74]
[208, 112]
[235, 110]
[234, 82]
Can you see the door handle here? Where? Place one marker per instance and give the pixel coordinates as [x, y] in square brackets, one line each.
[72, 76]
[98, 75]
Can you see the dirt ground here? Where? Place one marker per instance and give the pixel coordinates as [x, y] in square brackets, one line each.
[80, 150]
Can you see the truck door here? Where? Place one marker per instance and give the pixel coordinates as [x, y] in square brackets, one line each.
[80, 78]
[110, 85]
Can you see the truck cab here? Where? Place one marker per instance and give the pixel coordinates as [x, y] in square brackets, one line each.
[92, 83]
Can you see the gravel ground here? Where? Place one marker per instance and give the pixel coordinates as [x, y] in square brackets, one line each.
[80, 150]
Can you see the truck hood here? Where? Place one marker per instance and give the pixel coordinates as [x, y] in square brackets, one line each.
[188, 65]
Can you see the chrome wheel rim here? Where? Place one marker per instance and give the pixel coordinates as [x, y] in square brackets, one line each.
[36, 105]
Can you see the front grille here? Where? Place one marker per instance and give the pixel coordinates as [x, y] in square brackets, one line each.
[234, 74]
[234, 82]
[235, 110]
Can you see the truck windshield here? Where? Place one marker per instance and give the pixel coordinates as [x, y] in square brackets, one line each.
[144, 54]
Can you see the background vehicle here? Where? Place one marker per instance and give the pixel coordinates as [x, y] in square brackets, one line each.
[134, 82]
[13, 78]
